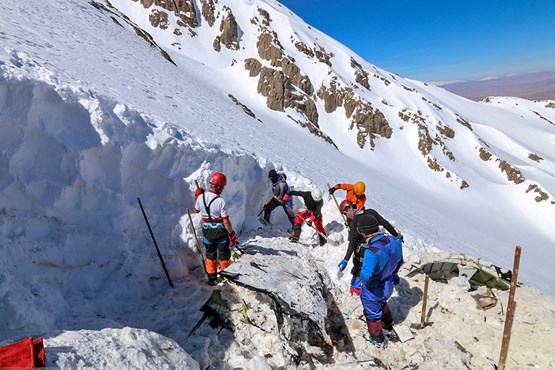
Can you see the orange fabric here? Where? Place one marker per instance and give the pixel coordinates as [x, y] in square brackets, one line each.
[224, 264]
[359, 201]
[211, 266]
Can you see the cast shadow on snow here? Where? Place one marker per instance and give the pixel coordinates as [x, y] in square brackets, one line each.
[255, 249]
[406, 298]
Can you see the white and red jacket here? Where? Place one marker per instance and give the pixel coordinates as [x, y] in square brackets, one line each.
[211, 207]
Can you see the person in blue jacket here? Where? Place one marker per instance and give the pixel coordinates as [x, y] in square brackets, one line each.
[280, 197]
[382, 259]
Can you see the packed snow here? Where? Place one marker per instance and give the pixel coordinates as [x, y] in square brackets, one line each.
[92, 118]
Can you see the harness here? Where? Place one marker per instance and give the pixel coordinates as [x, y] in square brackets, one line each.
[207, 207]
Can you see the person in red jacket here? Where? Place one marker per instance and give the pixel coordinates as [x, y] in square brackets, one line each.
[310, 213]
[355, 193]
[216, 228]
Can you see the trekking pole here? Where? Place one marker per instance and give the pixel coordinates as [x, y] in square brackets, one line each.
[424, 301]
[510, 308]
[155, 244]
[339, 209]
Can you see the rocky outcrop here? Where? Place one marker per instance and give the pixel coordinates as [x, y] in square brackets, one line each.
[243, 106]
[368, 121]
[361, 76]
[535, 157]
[541, 194]
[485, 155]
[229, 32]
[463, 122]
[513, 173]
[159, 19]
[208, 11]
[139, 31]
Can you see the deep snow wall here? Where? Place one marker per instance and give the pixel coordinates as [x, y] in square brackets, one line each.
[72, 169]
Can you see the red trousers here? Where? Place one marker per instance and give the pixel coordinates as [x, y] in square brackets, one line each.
[306, 215]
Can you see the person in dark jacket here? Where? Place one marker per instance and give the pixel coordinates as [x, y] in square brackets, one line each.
[280, 197]
[383, 257]
[355, 239]
[311, 213]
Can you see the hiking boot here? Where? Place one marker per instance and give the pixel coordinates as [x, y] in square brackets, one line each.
[378, 344]
[322, 241]
[391, 336]
[212, 280]
[294, 238]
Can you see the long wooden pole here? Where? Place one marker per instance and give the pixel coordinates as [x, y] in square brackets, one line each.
[195, 235]
[155, 244]
[424, 302]
[510, 313]
[337, 204]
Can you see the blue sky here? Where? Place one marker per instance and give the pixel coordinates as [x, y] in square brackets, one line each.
[440, 40]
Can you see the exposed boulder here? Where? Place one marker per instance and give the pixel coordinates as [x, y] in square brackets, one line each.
[229, 29]
[361, 76]
[513, 173]
[208, 11]
[159, 19]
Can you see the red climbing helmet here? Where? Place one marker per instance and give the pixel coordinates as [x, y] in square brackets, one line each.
[218, 179]
[343, 207]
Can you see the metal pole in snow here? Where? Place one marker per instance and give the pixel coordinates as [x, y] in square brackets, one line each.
[155, 244]
[509, 316]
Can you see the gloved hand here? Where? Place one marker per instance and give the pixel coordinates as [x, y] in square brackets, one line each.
[198, 192]
[286, 197]
[232, 239]
[311, 220]
[342, 265]
[331, 190]
[396, 279]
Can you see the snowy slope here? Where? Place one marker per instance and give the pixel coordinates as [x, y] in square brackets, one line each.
[92, 117]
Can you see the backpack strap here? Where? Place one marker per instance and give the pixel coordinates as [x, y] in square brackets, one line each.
[207, 207]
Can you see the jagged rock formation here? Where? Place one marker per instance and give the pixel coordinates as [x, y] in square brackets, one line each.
[229, 36]
[282, 64]
[368, 121]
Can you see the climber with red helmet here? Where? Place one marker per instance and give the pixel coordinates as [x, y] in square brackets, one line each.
[356, 239]
[311, 213]
[355, 193]
[216, 229]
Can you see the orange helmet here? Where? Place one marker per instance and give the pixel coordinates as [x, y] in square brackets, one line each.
[218, 179]
[359, 188]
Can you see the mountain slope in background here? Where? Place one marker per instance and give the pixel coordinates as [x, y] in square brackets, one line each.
[98, 106]
[278, 68]
[532, 86]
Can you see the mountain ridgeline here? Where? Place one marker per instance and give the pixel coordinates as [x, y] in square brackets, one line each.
[304, 76]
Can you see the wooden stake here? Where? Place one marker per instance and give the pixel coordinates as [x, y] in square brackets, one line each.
[337, 204]
[510, 313]
[424, 302]
[196, 239]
